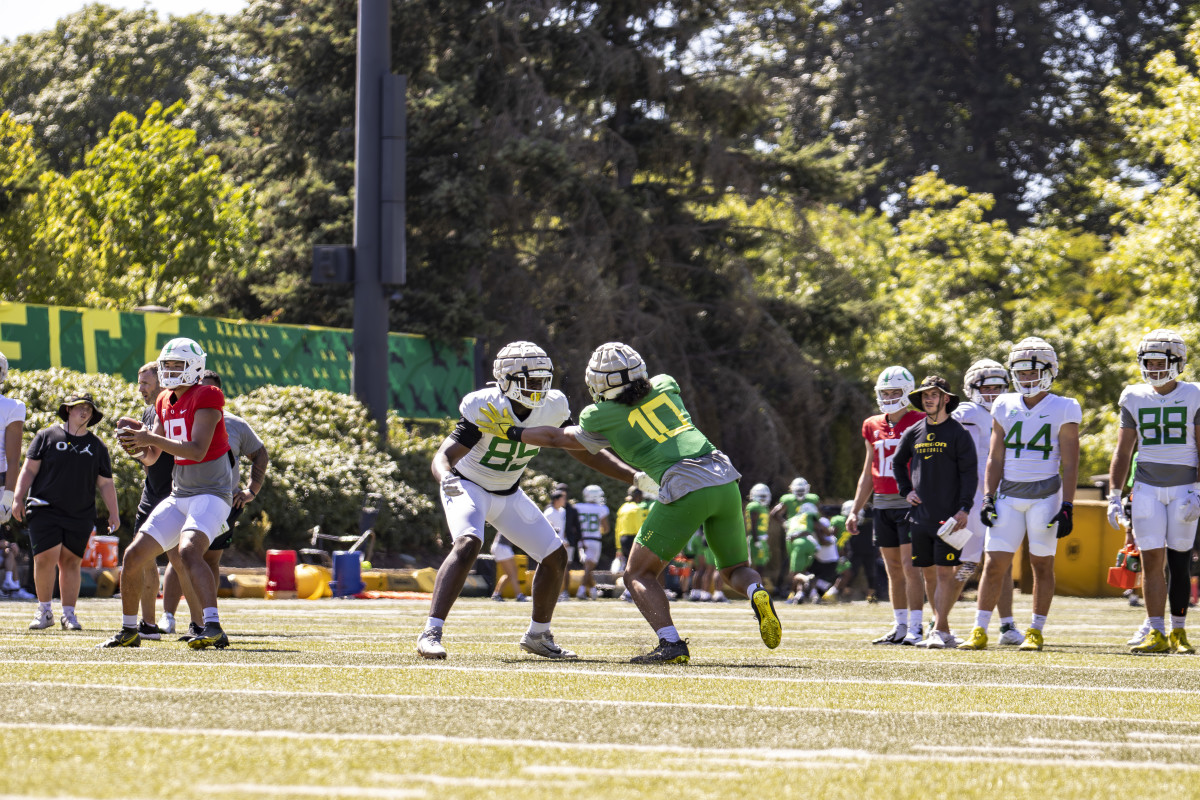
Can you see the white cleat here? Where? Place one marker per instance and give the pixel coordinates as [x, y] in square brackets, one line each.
[914, 637]
[70, 623]
[43, 620]
[1141, 634]
[542, 644]
[1011, 635]
[429, 643]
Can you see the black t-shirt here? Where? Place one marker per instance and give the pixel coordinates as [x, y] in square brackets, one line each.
[158, 474]
[69, 469]
[943, 470]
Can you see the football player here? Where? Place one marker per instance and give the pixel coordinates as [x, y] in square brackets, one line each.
[12, 423]
[645, 422]
[480, 478]
[594, 525]
[190, 425]
[1034, 434]
[1161, 418]
[881, 435]
[984, 382]
[787, 507]
[757, 517]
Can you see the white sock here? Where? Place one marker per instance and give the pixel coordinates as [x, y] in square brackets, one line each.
[982, 618]
[129, 620]
[538, 627]
[212, 615]
[752, 588]
[69, 612]
[169, 617]
[43, 608]
[1158, 624]
[434, 622]
[1177, 623]
[1007, 621]
[669, 633]
[8, 578]
[915, 618]
[1039, 622]
[901, 615]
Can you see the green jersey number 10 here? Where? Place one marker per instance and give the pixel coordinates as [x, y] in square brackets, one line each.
[658, 418]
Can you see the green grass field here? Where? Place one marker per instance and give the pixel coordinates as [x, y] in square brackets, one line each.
[329, 699]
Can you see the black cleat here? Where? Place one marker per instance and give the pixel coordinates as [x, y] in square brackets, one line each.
[148, 630]
[212, 635]
[126, 637]
[194, 630]
[665, 653]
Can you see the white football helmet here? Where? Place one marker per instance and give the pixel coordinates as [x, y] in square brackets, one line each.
[1165, 344]
[523, 372]
[984, 372]
[847, 508]
[1032, 353]
[612, 367]
[593, 494]
[798, 487]
[894, 378]
[761, 493]
[3, 368]
[190, 354]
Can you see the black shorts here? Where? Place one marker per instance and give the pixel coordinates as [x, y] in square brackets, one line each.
[824, 570]
[50, 530]
[627, 544]
[891, 527]
[928, 549]
[225, 539]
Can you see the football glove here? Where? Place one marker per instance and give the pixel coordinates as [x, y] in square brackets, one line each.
[645, 484]
[1064, 520]
[987, 512]
[1116, 512]
[451, 485]
[495, 422]
[6, 504]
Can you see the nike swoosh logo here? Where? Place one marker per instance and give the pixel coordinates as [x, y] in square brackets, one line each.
[926, 458]
[1178, 402]
[1043, 416]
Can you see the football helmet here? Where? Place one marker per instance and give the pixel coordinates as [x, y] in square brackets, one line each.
[612, 367]
[523, 372]
[761, 493]
[984, 372]
[1033, 353]
[192, 356]
[3, 368]
[1165, 344]
[799, 487]
[894, 378]
[593, 494]
[847, 508]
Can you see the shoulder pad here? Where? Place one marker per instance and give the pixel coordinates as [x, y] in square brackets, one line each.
[664, 383]
[473, 404]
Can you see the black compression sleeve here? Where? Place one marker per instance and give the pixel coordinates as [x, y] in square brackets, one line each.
[465, 433]
[1179, 582]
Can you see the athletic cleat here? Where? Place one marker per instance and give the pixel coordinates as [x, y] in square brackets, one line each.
[542, 644]
[665, 653]
[211, 636]
[148, 630]
[498, 598]
[429, 643]
[1033, 640]
[563, 597]
[933, 641]
[1141, 634]
[19, 594]
[126, 637]
[1155, 642]
[978, 640]
[894, 636]
[522, 598]
[912, 638]
[1179, 643]
[768, 622]
[951, 640]
[166, 624]
[194, 630]
[69, 623]
[43, 620]
[1010, 634]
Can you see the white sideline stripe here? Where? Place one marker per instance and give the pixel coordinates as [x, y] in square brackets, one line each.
[320, 791]
[467, 698]
[680, 676]
[781, 758]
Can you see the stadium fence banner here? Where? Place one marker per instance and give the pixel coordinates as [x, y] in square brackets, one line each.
[426, 379]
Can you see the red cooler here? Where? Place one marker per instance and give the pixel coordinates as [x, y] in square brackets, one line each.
[281, 574]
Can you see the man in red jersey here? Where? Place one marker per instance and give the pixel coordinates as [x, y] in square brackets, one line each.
[881, 434]
[191, 427]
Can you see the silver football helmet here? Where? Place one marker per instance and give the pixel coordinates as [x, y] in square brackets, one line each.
[1167, 345]
[894, 378]
[761, 493]
[612, 367]
[1037, 354]
[799, 487]
[984, 372]
[593, 494]
[523, 372]
[192, 356]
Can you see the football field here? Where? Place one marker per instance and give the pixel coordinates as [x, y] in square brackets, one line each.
[329, 699]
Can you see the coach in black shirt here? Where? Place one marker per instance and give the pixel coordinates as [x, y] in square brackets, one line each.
[936, 470]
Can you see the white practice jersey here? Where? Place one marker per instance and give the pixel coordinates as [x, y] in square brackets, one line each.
[977, 421]
[1031, 451]
[497, 464]
[1166, 432]
[590, 516]
[10, 411]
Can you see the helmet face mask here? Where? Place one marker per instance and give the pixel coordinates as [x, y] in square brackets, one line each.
[760, 493]
[1166, 352]
[890, 381]
[798, 487]
[612, 367]
[985, 381]
[180, 351]
[593, 494]
[1032, 366]
[523, 372]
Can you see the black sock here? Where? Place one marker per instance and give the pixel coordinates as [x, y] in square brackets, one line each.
[1179, 581]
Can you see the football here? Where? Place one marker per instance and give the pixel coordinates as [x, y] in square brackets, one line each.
[128, 423]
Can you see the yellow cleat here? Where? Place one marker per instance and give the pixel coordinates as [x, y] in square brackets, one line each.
[1154, 642]
[768, 622]
[978, 640]
[1179, 643]
[1033, 640]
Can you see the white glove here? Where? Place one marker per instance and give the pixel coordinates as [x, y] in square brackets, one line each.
[1116, 512]
[645, 484]
[1189, 509]
[6, 504]
[451, 485]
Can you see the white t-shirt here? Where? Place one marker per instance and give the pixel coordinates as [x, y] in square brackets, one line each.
[590, 516]
[497, 464]
[1031, 451]
[557, 517]
[1166, 432]
[977, 421]
[10, 411]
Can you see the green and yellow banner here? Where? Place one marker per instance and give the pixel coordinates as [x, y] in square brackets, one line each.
[426, 379]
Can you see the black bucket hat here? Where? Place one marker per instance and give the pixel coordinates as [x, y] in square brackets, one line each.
[934, 382]
[77, 399]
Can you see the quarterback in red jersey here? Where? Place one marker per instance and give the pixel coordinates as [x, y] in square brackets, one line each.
[191, 427]
[881, 434]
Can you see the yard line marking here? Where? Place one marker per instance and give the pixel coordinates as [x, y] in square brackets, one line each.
[320, 791]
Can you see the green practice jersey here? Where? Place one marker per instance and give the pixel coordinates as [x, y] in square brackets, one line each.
[651, 436]
[791, 504]
[757, 525]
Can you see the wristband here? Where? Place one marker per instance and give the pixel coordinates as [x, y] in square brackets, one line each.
[514, 433]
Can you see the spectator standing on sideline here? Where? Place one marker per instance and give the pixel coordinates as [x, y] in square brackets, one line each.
[12, 423]
[571, 535]
[64, 466]
[155, 489]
